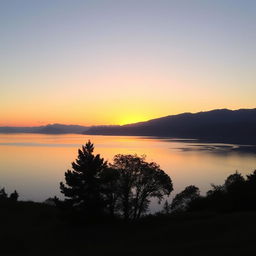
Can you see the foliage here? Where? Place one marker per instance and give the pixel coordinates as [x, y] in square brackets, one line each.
[139, 181]
[166, 208]
[82, 189]
[123, 188]
[110, 190]
[14, 196]
[236, 194]
[4, 196]
[182, 200]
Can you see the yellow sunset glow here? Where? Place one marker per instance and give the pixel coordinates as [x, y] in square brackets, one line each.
[111, 68]
[129, 119]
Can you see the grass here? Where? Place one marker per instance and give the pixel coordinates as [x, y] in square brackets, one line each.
[29, 228]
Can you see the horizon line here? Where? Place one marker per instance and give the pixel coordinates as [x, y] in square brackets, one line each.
[93, 125]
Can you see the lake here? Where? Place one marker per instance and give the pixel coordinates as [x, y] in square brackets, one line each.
[34, 164]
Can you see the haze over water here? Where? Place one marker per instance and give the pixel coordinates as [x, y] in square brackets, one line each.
[34, 164]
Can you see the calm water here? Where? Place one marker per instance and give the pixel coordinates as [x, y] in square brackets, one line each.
[34, 164]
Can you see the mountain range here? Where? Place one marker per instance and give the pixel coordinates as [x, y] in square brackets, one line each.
[221, 125]
[46, 129]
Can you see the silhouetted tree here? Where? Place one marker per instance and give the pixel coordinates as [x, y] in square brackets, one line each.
[110, 190]
[235, 191]
[251, 178]
[52, 201]
[250, 185]
[216, 190]
[234, 182]
[138, 182]
[181, 200]
[166, 208]
[83, 183]
[14, 196]
[3, 194]
[215, 198]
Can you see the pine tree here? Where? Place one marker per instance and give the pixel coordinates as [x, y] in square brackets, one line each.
[83, 184]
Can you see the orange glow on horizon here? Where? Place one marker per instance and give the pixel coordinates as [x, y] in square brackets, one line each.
[113, 116]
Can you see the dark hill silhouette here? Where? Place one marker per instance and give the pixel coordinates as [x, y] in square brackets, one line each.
[47, 129]
[222, 125]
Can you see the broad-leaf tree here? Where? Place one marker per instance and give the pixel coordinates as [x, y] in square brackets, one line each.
[110, 190]
[181, 200]
[139, 181]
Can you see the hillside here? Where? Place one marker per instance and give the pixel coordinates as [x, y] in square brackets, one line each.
[47, 129]
[236, 126]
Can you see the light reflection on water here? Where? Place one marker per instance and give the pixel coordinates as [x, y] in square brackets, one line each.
[34, 164]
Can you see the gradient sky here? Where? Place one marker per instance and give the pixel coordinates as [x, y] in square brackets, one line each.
[115, 62]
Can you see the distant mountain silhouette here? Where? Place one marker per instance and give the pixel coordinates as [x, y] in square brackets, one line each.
[47, 129]
[222, 125]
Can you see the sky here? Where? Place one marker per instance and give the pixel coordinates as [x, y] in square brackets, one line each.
[117, 62]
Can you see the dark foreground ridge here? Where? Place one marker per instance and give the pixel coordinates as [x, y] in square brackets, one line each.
[36, 229]
[231, 126]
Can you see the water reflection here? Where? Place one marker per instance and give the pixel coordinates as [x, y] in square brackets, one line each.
[34, 164]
